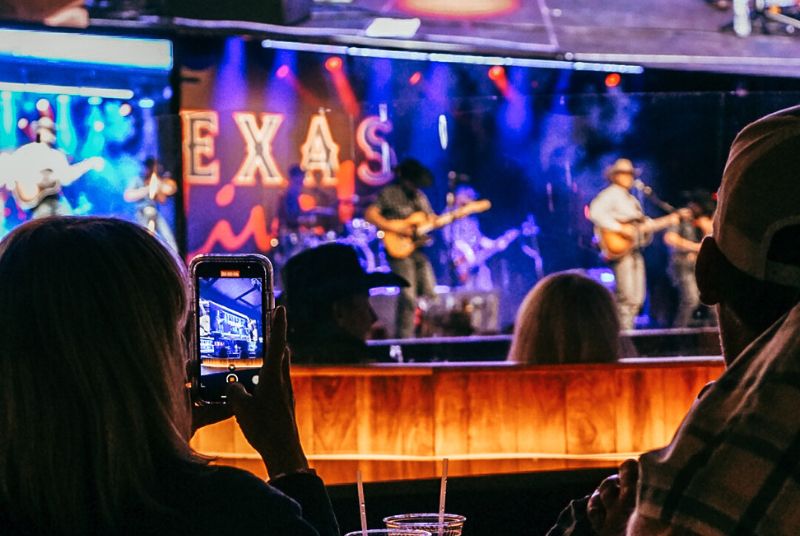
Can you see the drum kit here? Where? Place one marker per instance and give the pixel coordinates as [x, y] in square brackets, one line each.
[357, 233]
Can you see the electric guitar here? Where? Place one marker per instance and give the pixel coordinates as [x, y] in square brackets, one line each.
[466, 259]
[614, 244]
[401, 246]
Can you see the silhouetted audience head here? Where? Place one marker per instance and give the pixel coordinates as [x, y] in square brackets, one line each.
[566, 318]
[92, 370]
[326, 293]
[750, 268]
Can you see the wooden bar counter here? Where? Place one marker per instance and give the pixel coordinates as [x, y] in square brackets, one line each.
[398, 421]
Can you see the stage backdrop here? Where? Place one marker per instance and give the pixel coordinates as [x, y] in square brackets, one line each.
[534, 142]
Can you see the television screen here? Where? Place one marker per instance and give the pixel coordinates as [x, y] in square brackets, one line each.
[85, 128]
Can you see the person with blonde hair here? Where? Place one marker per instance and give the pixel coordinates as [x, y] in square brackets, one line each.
[94, 412]
[566, 318]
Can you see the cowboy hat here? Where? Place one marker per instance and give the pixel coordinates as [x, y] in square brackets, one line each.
[622, 165]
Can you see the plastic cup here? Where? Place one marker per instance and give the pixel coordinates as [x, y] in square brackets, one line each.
[453, 523]
[390, 532]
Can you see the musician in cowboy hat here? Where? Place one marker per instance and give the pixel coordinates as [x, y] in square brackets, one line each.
[397, 205]
[617, 214]
[39, 170]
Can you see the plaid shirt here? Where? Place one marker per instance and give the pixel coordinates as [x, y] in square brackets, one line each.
[733, 467]
[395, 204]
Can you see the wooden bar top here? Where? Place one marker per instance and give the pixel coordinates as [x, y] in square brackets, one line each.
[398, 421]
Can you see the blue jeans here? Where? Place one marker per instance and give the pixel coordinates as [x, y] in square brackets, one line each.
[629, 273]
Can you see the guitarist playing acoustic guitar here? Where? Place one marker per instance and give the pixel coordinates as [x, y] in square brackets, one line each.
[622, 229]
[38, 170]
[404, 214]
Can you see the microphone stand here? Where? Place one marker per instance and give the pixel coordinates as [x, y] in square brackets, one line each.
[450, 201]
[652, 197]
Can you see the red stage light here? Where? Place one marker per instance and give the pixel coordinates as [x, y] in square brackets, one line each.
[497, 72]
[415, 78]
[613, 80]
[334, 63]
[282, 72]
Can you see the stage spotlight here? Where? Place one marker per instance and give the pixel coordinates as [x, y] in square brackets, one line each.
[334, 63]
[282, 72]
[415, 78]
[125, 109]
[345, 91]
[613, 80]
[497, 72]
[22, 124]
[42, 105]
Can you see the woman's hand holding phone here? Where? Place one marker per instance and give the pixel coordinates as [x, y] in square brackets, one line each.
[267, 417]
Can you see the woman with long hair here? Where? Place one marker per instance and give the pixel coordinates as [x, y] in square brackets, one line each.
[94, 413]
[566, 318]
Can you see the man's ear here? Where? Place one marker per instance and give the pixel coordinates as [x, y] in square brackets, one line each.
[708, 271]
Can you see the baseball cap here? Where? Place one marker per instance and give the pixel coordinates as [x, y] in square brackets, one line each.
[760, 196]
[331, 271]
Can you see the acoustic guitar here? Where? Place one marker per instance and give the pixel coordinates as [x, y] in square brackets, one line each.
[401, 246]
[36, 185]
[614, 244]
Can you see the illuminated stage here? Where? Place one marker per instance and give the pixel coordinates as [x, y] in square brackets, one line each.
[531, 138]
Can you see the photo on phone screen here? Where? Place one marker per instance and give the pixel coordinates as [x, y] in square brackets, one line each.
[231, 323]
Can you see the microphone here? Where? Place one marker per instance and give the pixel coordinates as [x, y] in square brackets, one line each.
[642, 187]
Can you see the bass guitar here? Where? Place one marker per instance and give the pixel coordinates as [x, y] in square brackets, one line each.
[466, 260]
[401, 246]
[635, 234]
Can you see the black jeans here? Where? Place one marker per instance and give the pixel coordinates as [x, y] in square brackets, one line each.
[417, 270]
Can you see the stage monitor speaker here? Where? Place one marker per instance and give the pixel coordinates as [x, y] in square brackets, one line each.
[266, 11]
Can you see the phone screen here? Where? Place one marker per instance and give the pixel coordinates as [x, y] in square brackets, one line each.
[232, 323]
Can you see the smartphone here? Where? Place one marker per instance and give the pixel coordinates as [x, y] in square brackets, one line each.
[232, 305]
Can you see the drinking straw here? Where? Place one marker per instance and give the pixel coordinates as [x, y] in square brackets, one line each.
[442, 493]
[361, 508]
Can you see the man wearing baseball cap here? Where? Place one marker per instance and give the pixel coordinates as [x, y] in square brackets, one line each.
[733, 466]
[326, 293]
